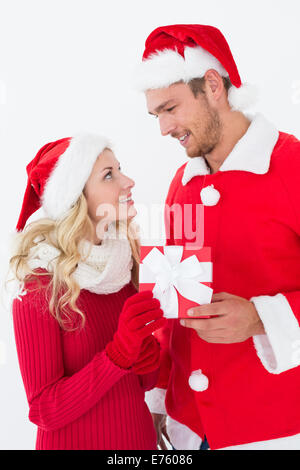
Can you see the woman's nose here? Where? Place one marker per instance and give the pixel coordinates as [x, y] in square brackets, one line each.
[128, 183]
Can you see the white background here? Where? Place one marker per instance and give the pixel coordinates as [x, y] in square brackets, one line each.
[67, 66]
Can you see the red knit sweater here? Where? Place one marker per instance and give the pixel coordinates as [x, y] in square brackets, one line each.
[77, 397]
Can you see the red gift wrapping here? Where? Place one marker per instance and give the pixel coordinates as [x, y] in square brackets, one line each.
[203, 255]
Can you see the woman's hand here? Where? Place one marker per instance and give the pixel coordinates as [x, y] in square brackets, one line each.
[148, 360]
[140, 317]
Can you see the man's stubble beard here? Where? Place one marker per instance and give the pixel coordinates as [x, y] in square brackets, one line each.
[208, 138]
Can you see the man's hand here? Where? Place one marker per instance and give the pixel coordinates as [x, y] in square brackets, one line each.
[236, 321]
[159, 422]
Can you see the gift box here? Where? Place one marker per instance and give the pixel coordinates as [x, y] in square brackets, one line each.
[179, 278]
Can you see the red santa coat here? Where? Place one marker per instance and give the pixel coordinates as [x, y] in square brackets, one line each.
[254, 233]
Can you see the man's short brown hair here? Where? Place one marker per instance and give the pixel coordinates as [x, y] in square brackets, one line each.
[197, 85]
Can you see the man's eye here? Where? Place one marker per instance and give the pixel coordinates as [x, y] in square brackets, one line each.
[171, 109]
[108, 174]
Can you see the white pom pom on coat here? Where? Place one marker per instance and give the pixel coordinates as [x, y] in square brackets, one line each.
[198, 381]
[210, 196]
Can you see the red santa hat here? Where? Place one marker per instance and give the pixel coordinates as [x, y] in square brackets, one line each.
[183, 52]
[58, 173]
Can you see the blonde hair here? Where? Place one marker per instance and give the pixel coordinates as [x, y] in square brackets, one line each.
[65, 235]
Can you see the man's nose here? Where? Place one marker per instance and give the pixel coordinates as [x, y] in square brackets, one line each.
[166, 125]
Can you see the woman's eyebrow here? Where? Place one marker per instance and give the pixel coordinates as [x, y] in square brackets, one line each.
[110, 167]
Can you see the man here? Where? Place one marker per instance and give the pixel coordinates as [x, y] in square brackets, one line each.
[233, 378]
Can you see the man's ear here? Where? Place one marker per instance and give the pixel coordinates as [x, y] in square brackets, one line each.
[214, 85]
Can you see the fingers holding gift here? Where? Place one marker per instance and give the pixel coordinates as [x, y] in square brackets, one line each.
[237, 321]
[153, 326]
[220, 296]
[140, 321]
[205, 325]
[211, 330]
[214, 309]
[222, 304]
[137, 310]
[137, 298]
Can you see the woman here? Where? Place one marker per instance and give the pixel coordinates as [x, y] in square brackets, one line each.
[83, 335]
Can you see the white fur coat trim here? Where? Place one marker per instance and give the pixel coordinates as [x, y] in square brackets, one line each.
[252, 152]
[279, 348]
[183, 438]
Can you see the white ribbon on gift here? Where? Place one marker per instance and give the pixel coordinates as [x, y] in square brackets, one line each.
[168, 272]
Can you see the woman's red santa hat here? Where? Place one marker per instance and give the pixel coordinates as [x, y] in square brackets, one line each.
[58, 173]
[183, 52]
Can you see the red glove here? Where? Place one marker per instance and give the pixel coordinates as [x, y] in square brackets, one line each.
[148, 360]
[140, 316]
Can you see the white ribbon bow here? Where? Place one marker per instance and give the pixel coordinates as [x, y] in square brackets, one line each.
[168, 272]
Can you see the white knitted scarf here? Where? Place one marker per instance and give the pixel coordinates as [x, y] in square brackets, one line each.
[106, 269]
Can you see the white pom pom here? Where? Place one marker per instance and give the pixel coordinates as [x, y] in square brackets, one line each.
[243, 97]
[210, 196]
[198, 381]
